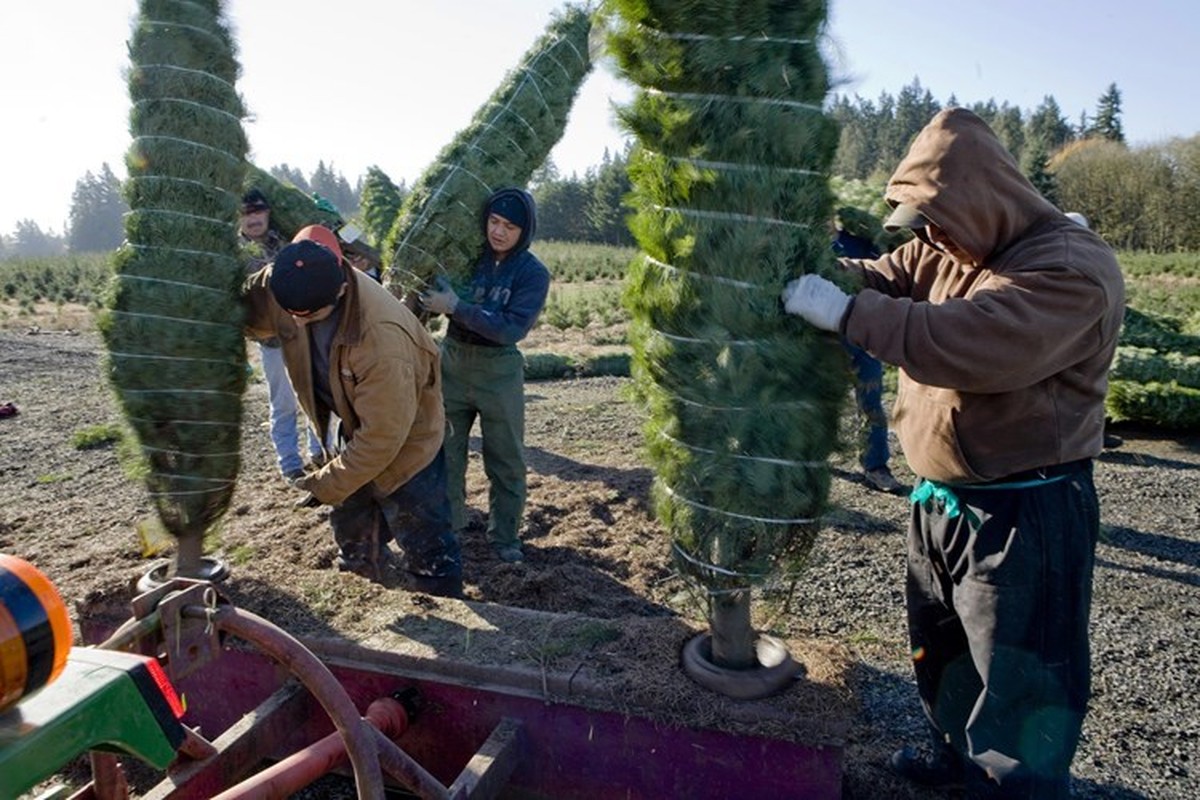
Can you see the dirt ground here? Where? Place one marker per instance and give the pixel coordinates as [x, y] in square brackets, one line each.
[591, 542]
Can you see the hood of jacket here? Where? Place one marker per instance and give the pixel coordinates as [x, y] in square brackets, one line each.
[527, 231]
[962, 178]
[1003, 342]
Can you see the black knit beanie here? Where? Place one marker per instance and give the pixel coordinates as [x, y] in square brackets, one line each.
[509, 206]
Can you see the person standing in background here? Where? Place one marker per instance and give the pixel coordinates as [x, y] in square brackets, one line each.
[854, 240]
[483, 371]
[264, 243]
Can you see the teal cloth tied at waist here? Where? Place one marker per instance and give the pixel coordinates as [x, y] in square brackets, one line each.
[927, 491]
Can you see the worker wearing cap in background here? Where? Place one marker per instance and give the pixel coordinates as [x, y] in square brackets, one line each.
[1002, 316]
[263, 242]
[356, 353]
[484, 372]
[855, 238]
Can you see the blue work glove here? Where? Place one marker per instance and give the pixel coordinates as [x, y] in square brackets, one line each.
[441, 299]
[819, 301]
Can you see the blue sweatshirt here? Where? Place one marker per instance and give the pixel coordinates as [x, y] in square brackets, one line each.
[504, 298]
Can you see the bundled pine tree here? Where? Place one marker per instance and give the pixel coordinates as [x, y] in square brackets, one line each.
[438, 230]
[291, 208]
[173, 328]
[381, 201]
[732, 201]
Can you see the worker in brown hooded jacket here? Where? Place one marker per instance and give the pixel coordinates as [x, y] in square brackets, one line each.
[1002, 316]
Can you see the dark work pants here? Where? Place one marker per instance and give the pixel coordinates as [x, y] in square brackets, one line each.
[998, 602]
[488, 383]
[417, 515]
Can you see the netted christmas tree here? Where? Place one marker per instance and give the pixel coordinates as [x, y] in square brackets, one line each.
[291, 208]
[173, 328]
[732, 201]
[438, 229]
[379, 206]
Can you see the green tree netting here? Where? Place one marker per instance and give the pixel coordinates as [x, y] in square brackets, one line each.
[173, 325]
[437, 231]
[730, 189]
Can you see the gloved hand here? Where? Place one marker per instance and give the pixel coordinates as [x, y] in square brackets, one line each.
[308, 500]
[441, 299]
[819, 301]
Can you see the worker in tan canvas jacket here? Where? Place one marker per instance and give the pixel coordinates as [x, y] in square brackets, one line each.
[1002, 316]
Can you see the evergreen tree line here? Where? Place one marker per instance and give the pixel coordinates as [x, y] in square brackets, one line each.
[1131, 195]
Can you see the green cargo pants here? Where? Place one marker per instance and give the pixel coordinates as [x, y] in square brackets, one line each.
[488, 383]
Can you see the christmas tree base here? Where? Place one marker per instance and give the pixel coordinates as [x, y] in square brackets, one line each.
[774, 671]
[213, 570]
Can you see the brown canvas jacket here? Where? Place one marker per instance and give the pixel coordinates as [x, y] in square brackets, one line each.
[1003, 359]
[386, 382]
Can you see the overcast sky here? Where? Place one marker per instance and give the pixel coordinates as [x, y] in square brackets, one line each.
[362, 82]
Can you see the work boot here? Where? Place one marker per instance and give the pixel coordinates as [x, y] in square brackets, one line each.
[361, 564]
[510, 554]
[940, 768]
[439, 585]
[881, 479]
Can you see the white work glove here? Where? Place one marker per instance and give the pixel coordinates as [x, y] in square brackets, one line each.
[819, 301]
[439, 300]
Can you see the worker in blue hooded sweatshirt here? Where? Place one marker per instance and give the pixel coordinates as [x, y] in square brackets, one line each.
[483, 372]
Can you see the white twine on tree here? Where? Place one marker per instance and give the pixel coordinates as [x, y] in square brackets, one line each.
[704, 37]
[704, 566]
[781, 462]
[729, 216]
[189, 251]
[732, 166]
[189, 181]
[167, 212]
[721, 342]
[488, 124]
[430, 204]
[151, 356]
[732, 98]
[219, 392]
[214, 423]
[163, 318]
[181, 101]
[189, 454]
[714, 278]
[166, 282]
[179, 493]
[158, 23]
[194, 72]
[764, 520]
[191, 143]
[761, 407]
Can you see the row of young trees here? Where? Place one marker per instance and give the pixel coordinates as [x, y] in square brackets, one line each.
[1132, 195]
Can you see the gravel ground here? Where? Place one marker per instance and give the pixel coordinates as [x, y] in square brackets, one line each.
[72, 512]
